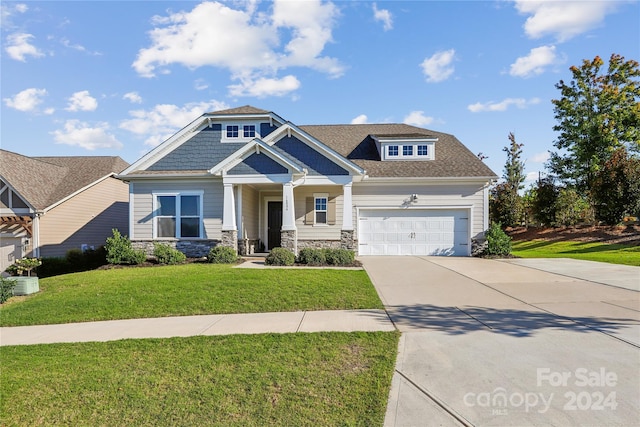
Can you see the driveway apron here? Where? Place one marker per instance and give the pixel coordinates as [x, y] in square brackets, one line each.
[491, 343]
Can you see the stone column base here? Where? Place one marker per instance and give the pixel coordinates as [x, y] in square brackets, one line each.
[289, 240]
[230, 239]
[347, 240]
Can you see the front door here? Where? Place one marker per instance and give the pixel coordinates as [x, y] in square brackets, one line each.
[274, 224]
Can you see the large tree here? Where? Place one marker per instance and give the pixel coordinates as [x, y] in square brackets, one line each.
[598, 112]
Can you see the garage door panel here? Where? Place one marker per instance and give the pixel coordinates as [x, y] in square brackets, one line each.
[414, 232]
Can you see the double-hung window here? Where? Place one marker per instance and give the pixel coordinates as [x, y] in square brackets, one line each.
[320, 203]
[178, 215]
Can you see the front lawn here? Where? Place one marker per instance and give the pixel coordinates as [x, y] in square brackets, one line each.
[591, 251]
[242, 380]
[189, 289]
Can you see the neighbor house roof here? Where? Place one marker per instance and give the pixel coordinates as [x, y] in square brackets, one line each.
[355, 142]
[44, 181]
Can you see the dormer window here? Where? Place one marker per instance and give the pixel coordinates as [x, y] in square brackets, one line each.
[232, 131]
[405, 147]
[249, 131]
[240, 132]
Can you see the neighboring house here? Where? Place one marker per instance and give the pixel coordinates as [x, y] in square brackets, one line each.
[248, 179]
[49, 205]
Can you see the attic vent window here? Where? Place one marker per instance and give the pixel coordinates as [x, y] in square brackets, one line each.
[407, 150]
[393, 150]
[423, 150]
[238, 132]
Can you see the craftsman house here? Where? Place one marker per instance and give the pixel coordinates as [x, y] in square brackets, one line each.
[249, 179]
[49, 205]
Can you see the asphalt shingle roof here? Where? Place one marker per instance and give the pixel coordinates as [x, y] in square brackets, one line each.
[43, 181]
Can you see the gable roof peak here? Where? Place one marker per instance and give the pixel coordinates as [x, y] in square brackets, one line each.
[245, 109]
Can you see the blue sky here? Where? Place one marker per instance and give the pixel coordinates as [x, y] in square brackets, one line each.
[119, 77]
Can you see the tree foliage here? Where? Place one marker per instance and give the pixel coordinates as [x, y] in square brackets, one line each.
[544, 203]
[616, 188]
[506, 204]
[598, 112]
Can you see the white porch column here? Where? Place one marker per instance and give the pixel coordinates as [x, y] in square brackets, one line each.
[229, 209]
[288, 208]
[347, 208]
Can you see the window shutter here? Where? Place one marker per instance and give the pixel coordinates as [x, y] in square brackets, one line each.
[308, 216]
[331, 211]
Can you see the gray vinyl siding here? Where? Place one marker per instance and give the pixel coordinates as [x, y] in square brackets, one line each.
[258, 164]
[142, 210]
[86, 218]
[397, 196]
[250, 213]
[316, 163]
[317, 232]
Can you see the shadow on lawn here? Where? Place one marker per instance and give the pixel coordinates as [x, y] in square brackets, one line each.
[515, 323]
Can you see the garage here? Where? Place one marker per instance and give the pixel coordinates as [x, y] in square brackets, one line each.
[413, 232]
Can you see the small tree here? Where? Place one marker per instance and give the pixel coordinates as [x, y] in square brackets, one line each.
[120, 251]
[571, 208]
[544, 204]
[616, 188]
[506, 204]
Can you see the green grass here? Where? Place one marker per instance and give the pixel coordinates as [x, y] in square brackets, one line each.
[187, 290]
[237, 380]
[611, 253]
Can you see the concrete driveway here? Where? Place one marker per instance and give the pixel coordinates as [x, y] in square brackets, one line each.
[496, 343]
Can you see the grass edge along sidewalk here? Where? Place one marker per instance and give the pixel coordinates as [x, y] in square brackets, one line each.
[326, 378]
[190, 289]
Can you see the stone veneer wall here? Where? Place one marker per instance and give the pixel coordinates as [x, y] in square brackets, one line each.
[289, 240]
[191, 248]
[230, 239]
[347, 239]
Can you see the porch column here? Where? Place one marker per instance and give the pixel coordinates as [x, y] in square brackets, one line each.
[229, 229]
[346, 234]
[288, 233]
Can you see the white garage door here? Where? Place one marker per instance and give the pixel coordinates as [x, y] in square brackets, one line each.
[414, 232]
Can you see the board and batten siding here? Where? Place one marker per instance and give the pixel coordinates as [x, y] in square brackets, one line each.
[429, 196]
[142, 207]
[85, 219]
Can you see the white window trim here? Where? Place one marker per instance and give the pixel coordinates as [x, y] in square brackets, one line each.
[241, 137]
[326, 211]
[415, 156]
[177, 195]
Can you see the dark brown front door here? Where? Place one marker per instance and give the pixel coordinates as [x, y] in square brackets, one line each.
[274, 224]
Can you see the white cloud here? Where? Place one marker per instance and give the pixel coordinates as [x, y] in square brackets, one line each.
[540, 157]
[564, 19]
[263, 86]
[82, 101]
[67, 43]
[252, 45]
[200, 84]
[417, 118]
[84, 135]
[132, 97]
[502, 105]
[28, 100]
[8, 10]
[438, 68]
[19, 47]
[534, 63]
[360, 120]
[161, 122]
[384, 16]
[531, 177]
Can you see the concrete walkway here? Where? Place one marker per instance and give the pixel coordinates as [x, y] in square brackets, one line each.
[183, 326]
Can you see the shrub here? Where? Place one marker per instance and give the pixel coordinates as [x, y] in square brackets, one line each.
[119, 250]
[74, 261]
[222, 255]
[312, 256]
[341, 257]
[498, 243]
[165, 254]
[280, 256]
[6, 289]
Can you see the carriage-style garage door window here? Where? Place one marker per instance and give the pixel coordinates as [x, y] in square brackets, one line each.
[178, 215]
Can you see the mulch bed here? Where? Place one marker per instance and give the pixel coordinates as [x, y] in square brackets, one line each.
[626, 234]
